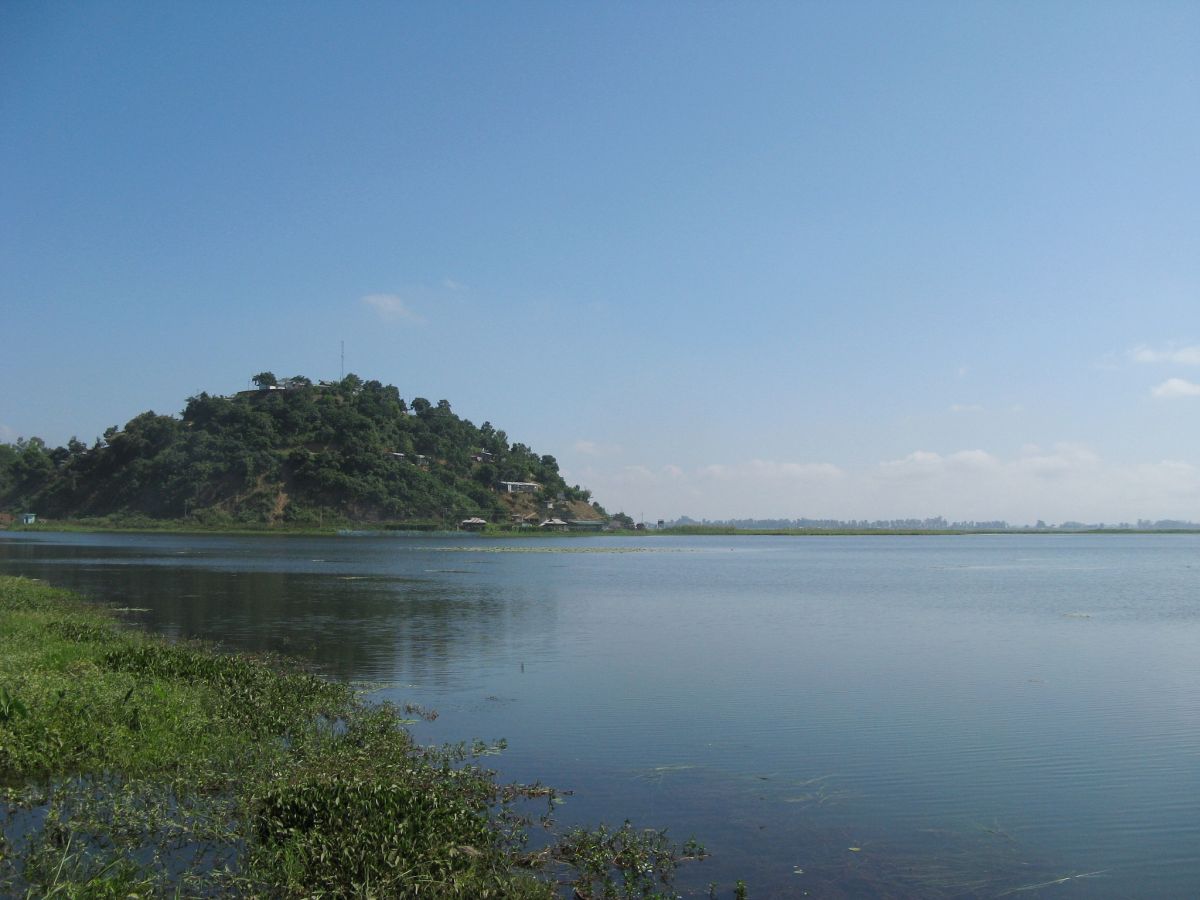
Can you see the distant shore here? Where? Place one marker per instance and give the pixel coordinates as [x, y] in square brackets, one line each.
[175, 526]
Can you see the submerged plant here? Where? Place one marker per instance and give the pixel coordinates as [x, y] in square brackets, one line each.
[621, 864]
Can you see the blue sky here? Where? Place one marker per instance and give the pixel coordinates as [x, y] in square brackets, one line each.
[795, 259]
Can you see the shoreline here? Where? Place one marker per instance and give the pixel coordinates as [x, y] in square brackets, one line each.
[131, 765]
[399, 529]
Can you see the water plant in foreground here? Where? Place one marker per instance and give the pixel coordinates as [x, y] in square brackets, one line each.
[130, 766]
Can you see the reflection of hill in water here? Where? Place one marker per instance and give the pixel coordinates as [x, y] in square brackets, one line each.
[376, 626]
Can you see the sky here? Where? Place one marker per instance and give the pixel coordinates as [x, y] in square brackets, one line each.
[827, 260]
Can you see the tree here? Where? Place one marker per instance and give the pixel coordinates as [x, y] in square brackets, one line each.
[348, 449]
[621, 520]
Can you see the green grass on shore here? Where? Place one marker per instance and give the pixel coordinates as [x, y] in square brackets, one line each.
[130, 766]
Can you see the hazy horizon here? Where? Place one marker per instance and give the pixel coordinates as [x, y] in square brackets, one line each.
[770, 261]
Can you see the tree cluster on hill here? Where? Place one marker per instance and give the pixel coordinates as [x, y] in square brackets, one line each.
[290, 451]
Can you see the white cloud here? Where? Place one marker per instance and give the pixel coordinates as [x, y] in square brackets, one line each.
[637, 475]
[971, 459]
[804, 471]
[1186, 355]
[391, 308]
[761, 469]
[1176, 387]
[594, 448]
[925, 464]
[916, 462]
[1056, 483]
[1062, 460]
[1068, 481]
[716, 489]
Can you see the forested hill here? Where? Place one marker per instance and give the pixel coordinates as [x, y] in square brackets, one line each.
[289, 452]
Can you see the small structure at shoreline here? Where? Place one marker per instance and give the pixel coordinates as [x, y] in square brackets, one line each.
[585, 524]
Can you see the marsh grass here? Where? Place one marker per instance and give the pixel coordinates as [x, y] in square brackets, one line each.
[130, 767]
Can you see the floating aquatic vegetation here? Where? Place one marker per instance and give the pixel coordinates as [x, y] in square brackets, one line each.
[974, 862]
[1063, 880]
[996, 831]
[626, 862]
[658, 773]
[821, 797]
[415, 709]
[369, 686]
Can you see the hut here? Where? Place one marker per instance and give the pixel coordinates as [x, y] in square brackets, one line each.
[585, 524]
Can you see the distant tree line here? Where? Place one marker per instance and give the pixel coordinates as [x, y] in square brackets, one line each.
[935, 523]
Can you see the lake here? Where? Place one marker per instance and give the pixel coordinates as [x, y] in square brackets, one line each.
[932, 716]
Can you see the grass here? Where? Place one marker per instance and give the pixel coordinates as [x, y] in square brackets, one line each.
[146, 525]
[130, 766]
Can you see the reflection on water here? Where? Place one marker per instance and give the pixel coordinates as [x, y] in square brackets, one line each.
[293, 597]
[883, 716]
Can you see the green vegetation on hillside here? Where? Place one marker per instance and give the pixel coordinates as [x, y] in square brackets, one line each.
[132, 767]
[291, 452]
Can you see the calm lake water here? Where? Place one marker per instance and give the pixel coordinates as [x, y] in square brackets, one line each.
[979, 716]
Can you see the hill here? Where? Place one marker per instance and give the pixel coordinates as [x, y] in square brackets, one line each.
[292, 452]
